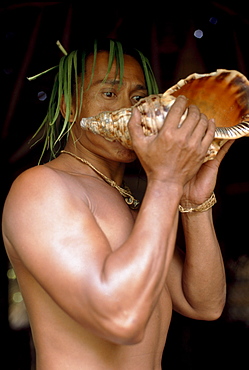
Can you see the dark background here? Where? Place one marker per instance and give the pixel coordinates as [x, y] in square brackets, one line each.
[164, 31]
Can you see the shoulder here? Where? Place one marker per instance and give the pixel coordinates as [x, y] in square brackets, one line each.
[28, 188]
[41, 207]
[34, 176]
[38, 191]
[42, 182]
[36, 181]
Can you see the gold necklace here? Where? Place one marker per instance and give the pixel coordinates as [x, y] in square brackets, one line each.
[125, 191]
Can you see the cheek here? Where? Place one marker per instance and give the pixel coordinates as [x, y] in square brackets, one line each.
[87, 108]
[109, 149]
[93, 105]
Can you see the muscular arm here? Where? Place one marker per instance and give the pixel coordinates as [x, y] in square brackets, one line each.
[197, 279]
[60, 243]
[58, 240]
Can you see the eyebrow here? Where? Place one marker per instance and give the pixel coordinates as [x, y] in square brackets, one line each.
[140, 87]
[115, 82]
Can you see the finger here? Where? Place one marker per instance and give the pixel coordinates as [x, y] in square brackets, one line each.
[223, 151]
[196, 123]
[208, 136]
[134, 125]
[176, 112]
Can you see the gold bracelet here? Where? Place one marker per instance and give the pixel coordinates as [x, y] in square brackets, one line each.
[202, 207]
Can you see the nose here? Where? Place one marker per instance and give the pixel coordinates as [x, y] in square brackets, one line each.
[125, 101]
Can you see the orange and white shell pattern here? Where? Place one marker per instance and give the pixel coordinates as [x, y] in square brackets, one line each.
[222, 95]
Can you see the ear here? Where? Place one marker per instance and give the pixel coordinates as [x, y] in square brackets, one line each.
[63, 109]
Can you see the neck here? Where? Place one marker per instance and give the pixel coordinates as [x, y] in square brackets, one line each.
[124, 190]
[112, 169]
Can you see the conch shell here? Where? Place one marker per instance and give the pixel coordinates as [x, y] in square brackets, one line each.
[222, 95]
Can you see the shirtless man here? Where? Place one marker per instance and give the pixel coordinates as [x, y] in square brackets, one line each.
[100, 280]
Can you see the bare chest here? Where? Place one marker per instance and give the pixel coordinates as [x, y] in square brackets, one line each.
[112, 214]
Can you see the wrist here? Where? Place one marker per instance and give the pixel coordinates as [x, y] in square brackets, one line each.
[166, 186]
[203, 207]
[163, 190]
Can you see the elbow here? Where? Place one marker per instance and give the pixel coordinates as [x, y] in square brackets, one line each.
[218, 308]
[122, 327]
[118, 327]
[214, 312]
[119, 321]
[129, 330]
[212, 315]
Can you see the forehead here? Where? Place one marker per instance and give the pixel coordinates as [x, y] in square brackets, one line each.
[132, 68]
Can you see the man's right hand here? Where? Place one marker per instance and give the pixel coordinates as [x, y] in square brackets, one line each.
[177, 152]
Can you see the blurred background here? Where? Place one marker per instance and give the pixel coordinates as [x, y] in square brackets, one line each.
[179, 38]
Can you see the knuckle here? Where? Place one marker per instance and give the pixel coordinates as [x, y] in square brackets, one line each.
[193, 147]
[204, 119]
[179, 105]
[212, 125]
[183, 142]
[194, 112]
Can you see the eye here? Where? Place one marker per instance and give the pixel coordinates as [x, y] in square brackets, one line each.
[109, 94]
[136, 98]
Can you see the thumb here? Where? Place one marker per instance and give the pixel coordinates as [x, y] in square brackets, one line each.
[223, 150]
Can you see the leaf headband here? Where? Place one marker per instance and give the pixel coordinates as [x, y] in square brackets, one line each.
[55, 127]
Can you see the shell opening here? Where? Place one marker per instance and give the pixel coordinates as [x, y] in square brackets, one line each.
[222, 95]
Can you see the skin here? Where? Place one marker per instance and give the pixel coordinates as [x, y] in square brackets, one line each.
[100, 280]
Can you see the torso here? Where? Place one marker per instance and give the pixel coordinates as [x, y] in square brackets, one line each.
[61, 343]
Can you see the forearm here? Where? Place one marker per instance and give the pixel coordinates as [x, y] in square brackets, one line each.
[139, 267]
[203, 282]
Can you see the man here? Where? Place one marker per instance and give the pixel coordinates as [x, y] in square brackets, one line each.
[100, 279]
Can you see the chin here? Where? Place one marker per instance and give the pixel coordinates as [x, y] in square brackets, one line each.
[125, 155]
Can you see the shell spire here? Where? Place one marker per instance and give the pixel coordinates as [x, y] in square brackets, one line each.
[114, 125]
